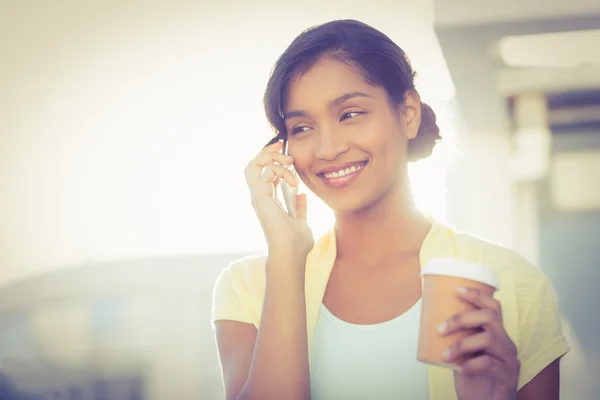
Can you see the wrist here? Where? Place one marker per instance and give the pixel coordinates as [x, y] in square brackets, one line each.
[288, 253]
[290, 262]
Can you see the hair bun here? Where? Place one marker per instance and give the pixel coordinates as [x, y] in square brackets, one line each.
[427, 137]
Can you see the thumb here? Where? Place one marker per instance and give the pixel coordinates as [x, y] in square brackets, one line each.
[301, 206]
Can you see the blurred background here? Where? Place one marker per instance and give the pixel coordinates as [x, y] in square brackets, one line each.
[125, 127]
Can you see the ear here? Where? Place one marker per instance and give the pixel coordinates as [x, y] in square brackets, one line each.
[411, 113]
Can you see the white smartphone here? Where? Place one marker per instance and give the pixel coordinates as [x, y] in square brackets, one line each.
[289, 194]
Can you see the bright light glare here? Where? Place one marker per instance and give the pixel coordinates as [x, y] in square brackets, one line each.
[138, 148]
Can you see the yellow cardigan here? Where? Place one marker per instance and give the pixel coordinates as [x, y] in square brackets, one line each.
[530, 312]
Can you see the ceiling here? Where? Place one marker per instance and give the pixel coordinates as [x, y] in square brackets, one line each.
[477, 12]
[552, 50]
[498, 49]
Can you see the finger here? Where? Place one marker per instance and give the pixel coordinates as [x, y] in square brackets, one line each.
[301, 206]
[272, 148]
[483, 342]
[479, 318]
[256, 165]
[479, 299]
[273, 171]
[477, 365]
[263, 160]
[275, 145]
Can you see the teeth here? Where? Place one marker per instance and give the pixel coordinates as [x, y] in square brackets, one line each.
[343, 172]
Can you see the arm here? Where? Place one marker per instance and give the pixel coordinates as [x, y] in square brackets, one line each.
[271, 362]
[545, 385]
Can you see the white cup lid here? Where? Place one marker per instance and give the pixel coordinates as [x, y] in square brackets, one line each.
[461, 269]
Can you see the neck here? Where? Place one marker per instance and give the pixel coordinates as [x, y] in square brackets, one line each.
[391, 226]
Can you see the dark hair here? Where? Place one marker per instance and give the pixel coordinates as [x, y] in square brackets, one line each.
[363, 47]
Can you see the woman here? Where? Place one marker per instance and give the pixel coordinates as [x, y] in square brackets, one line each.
[343, 96]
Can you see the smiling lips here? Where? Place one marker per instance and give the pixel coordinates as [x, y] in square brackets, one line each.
[340, 176]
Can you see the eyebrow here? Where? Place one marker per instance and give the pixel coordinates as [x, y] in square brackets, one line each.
[333, 103]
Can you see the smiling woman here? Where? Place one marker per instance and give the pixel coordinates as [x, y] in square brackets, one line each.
[338, 318]
[334, 142]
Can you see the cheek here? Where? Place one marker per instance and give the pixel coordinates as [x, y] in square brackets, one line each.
[388, 144]
[303, 155]
[384, 137]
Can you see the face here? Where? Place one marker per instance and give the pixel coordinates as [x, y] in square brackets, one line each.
[347, 140]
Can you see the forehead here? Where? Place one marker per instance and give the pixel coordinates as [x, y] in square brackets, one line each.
[327, 79]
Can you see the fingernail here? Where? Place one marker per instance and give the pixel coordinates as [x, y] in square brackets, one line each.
[462, 290]
[446, 354]
[441, 328]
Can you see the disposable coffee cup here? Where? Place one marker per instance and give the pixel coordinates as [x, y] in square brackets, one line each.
[441, 279]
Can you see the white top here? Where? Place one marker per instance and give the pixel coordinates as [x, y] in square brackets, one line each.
[367, 362]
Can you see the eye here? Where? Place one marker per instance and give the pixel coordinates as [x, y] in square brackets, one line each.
[299, 129]
[350, 114]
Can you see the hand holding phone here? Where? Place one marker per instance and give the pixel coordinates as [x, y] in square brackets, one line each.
[290, 234]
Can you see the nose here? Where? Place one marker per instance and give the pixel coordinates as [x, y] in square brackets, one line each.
[331, 145]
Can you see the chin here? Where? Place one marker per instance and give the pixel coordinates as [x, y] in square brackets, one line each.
[343, 205]
[352, 199]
